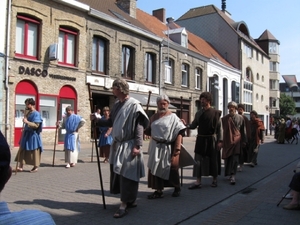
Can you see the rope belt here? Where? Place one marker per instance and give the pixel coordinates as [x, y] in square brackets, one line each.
[206, 135]
[161, 141]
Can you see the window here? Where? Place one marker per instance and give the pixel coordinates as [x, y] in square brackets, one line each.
[248, 88]
[257, 55]
[184, 75]
[274, 66]
[99, 55]
[257, 76]
[67, 46]
[248, 51]
[262, 78]
[127, 62]
[262, 59]
[149, 67]
[235, 91]
[169, 71]
[273, 48]
[248, 74]
[274, 84]
[48, 110]
[184, 40]
[198, 78]
[27, 36]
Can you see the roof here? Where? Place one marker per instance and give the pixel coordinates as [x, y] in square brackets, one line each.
[266, 35]
[110, 8]
[235, 25]
[195, 43]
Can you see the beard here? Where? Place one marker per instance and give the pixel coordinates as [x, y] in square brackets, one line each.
[162, 110]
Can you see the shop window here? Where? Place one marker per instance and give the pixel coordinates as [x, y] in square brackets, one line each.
[20, 111]
[48, 110]
[127, 62]
[27, 37]
[149, 67]
[99, 55]
[67, 46]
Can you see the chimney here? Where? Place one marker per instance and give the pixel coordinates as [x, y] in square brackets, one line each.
[223, 5]
[160, 14]
[129, 6]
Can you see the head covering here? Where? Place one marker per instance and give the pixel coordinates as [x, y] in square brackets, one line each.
[4, 152]
[234, 104]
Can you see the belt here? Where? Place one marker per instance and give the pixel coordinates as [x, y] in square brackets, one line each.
[161, 141]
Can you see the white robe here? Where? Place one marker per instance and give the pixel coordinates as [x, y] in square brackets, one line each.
[131, 167]
[164, 129]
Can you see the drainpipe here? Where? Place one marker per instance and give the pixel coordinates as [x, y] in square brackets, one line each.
[160, 68]
[7, 64]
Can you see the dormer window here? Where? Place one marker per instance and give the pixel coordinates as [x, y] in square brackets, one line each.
[184, 40]
[178, 35]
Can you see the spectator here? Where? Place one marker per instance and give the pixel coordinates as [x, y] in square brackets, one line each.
[20, 217]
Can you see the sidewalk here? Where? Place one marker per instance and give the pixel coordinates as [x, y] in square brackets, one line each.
[73, 196]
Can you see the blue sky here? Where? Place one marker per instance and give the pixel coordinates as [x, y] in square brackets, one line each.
[280, 17]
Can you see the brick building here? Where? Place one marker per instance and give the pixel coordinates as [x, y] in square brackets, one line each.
[58, 47]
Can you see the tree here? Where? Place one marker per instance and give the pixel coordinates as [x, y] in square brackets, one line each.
[287, 105]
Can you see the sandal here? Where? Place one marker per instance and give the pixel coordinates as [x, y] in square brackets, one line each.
[155, 195]
[131, 205]
[19, 169]
[176, 194]
[195, 186]
[214, 184]
[120, 213]
[232, 181]
[34, 169]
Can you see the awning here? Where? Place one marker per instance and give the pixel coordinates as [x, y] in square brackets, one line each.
[152, 103]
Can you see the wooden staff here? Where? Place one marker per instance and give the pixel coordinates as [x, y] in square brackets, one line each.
[148, 103]
[56, 131]
[19, 151]
[147, 111]
[96, 145]
[181, 108]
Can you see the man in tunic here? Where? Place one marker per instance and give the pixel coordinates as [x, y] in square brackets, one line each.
[166, 131]
[128, 121]
[234, 137]
[31, 144]
[209, 141]
[245, 155]
[72, 123]
[257, 136]
[17, 217]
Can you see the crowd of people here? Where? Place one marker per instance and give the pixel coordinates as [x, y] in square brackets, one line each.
[235, 138]
[286, 130]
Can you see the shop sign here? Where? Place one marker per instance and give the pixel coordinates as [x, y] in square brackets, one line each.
[44, 73]
[32, 71]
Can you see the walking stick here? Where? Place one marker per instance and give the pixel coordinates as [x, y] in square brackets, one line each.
[148, 102]
[19, 151]
[96, 145]
[283, 197]
[181, 169]
[147, 107]
[56, 131]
